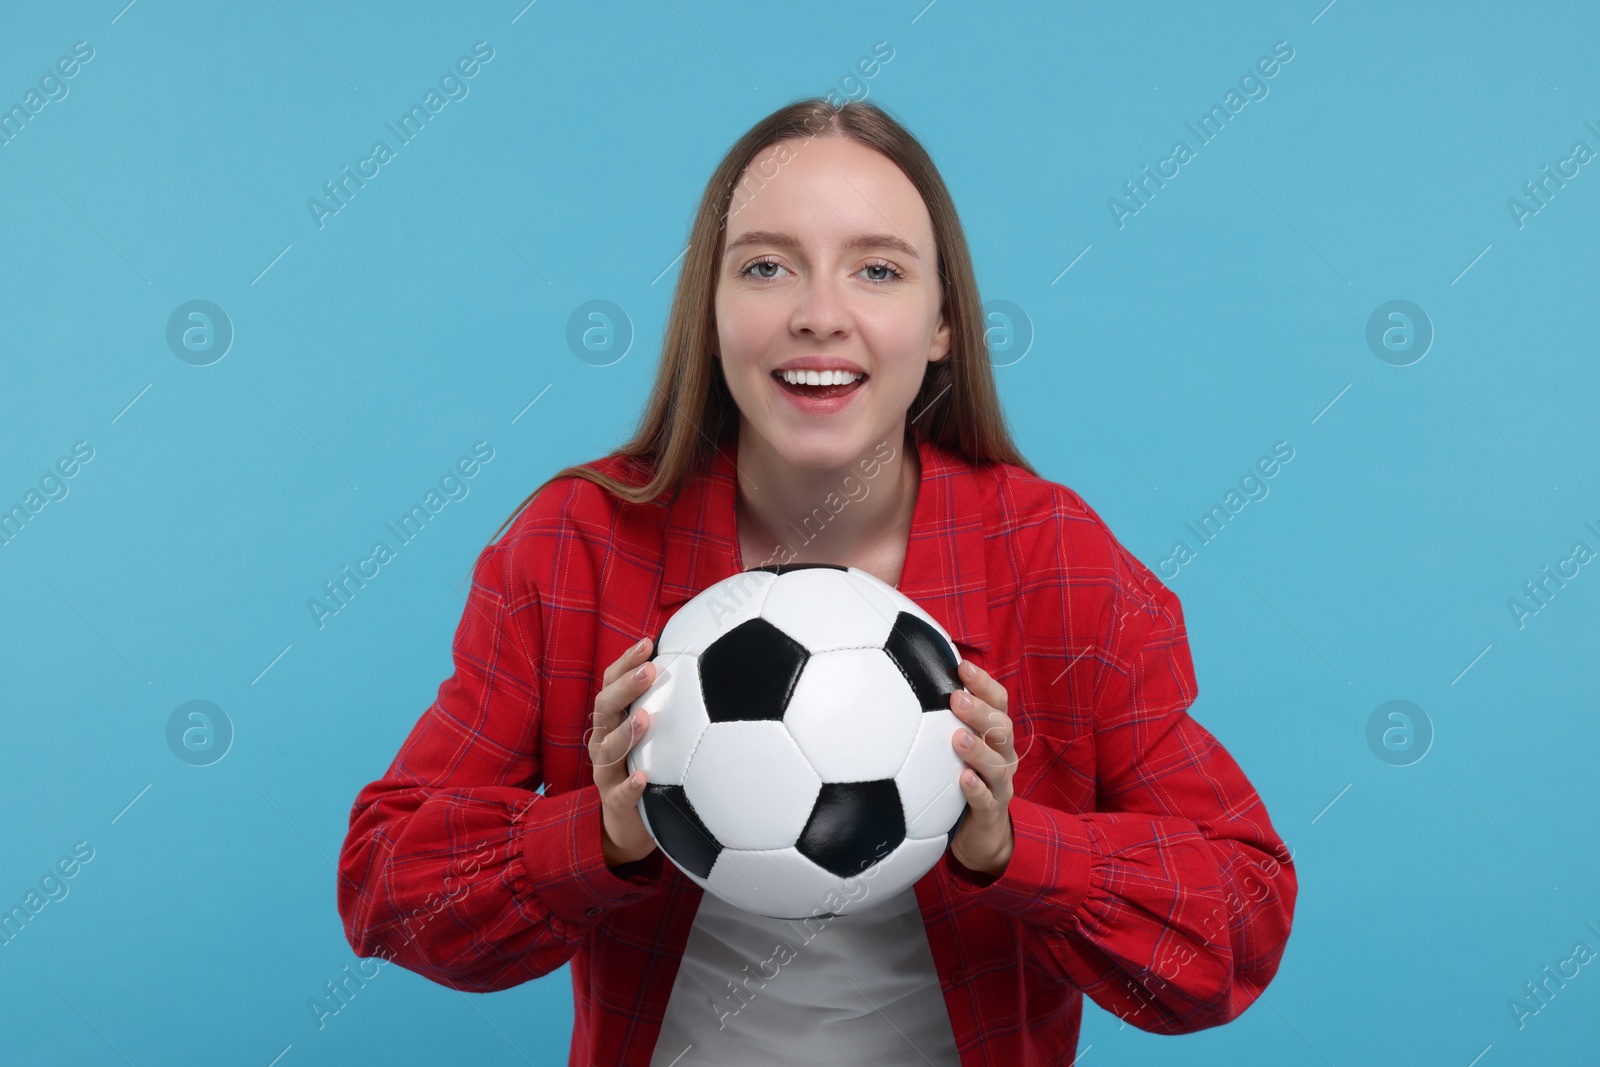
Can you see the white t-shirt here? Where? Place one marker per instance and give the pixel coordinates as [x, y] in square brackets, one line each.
[825, 992]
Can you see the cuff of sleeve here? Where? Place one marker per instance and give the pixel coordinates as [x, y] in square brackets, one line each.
[1048, 875]
[566, 866]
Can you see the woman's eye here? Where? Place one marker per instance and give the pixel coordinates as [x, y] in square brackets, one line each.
[749, 269]
[754, 270]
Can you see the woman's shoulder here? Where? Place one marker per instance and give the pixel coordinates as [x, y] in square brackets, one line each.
[559, 549]
[575, 522]
[572, 499]
[1023, 498]
[1066, 532]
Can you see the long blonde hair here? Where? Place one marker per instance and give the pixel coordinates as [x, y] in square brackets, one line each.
[691, 413]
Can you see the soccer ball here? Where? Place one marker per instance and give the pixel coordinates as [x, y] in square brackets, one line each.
[798, 757]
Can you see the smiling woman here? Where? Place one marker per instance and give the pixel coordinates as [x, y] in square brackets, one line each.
[852, 240]
[829, 312]
[831, 317]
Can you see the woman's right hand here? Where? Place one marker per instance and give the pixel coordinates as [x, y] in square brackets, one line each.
[623, 835]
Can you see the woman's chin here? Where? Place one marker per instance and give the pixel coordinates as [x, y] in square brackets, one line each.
[826, 450]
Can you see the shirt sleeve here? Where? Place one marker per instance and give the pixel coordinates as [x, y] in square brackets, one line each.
[455, 865]
[1170, 904]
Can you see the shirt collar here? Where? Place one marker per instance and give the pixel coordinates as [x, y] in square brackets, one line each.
[944, 570]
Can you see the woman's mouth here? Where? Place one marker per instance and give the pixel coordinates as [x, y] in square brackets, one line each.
[819, 392]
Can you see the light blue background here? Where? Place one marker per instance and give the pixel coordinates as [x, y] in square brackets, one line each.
[1227, 315]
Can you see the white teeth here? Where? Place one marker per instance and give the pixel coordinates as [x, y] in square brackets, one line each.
[826, 377]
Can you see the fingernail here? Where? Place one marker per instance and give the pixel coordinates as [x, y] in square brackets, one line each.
[966, 740]
[639, 674]
[962, 701]
[640, 645]
[637, 780]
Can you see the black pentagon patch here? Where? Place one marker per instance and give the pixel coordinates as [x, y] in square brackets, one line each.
[785, 568]
[925, 659]
[678, 829]
[852, 826]
[750, 672]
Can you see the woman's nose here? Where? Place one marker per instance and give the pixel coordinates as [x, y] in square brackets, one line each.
[821, 309]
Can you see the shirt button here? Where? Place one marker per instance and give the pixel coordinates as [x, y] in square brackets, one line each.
[593, 913]
[958, 977]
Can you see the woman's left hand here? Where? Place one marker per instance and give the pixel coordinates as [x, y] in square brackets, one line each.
[986, 744]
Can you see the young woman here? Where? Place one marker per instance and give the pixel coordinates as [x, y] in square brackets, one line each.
[825, 395]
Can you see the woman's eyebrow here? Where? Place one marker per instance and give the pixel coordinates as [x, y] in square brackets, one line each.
[783, 240]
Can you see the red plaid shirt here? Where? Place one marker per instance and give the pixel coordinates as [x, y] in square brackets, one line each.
[1145, 871]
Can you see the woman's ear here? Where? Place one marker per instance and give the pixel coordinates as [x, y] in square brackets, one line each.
[940, 348]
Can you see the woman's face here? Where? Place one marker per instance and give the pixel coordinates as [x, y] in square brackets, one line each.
[829, 262]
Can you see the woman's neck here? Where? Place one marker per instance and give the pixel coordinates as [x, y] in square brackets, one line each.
[857, 515]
